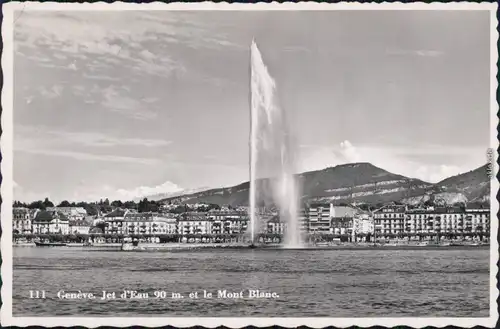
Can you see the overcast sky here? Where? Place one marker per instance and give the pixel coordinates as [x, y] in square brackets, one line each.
[125, 104]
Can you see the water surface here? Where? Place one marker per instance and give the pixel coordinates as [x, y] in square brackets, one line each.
[323, 283]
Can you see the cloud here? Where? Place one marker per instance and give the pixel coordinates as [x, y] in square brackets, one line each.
[87, 43]
[54, 92]
[136, 40]
[147, 54]
[418, 52]
[59, 138]
[89, 156]
[99, 77]
[88, 146]
[429, 53]
[145, 191]
[84, 192]
[115, 101]
[349, 152]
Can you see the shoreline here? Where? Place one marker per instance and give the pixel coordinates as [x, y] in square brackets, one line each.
[157, 247]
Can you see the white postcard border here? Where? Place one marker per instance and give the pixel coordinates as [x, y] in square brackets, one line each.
[6, 144]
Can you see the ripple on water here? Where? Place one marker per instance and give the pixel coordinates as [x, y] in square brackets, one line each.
[343, 283]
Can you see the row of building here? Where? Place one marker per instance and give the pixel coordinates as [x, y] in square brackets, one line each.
[316, 219]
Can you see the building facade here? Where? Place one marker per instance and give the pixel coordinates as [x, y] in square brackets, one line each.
[477, 217]
[447, 220]
[146, 223]
[194, 223]
[50, 222]
[79, 226]
[275, 226]
[390, 220]
[72, 213]
[319, 218]
[22, 221]
[303, 220]
[342, 226]
[228, 222]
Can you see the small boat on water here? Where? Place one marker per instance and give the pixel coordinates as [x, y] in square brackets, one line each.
[49, 244]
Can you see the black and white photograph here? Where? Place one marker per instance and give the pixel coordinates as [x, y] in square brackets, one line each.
[242, 164]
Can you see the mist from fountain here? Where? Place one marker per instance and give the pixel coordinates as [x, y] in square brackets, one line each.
[272, 161]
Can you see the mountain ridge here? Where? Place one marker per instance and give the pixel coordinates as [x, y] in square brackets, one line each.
[359, 182]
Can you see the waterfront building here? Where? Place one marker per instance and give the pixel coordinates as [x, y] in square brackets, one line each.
[79, 226]
[228, 221]
[478, 215]
[435, 220]
[319, 218]
[72, 213]
[342, 220]
[342, 225]
[363, 224]
[33, 213]
[170, 224]
[389, 219]
[21, 220]
[417, 220]
[448, 220]
[145, 223]
[194, 223]
[303, 219]
[50, 222]
[275, 226]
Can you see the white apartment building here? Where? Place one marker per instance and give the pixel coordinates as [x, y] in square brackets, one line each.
[194, 223]
[389, 219]
[228, 222]
[21, 220]
[140, 224]
[478, 217]
[319, 218]
[50, 222]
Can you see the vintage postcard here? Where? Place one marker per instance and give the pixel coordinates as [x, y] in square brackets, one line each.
[249, 164]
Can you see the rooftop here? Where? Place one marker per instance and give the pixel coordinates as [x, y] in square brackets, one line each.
[48, 216]
[118, 212]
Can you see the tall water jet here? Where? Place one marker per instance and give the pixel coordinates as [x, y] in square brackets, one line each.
[272, 179]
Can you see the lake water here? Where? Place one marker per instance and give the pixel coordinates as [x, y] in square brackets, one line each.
[322, 283]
